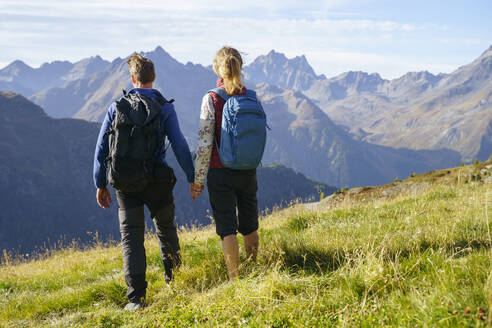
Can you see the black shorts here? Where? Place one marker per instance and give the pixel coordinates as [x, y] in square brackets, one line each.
[233, 200]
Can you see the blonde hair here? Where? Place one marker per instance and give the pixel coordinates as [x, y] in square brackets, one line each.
[141, 68]
[228, 65]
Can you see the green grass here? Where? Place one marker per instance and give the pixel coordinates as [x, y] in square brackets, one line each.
[411, 260]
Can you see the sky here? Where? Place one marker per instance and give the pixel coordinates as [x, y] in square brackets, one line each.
[387, 37]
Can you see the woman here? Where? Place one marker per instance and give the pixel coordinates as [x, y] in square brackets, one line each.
[232, 192]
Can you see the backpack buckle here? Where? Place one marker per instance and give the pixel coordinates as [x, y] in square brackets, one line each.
[135, 129]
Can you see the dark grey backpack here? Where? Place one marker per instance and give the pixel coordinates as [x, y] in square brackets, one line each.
[134, 142]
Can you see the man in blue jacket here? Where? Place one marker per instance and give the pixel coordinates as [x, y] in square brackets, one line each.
[157, 195]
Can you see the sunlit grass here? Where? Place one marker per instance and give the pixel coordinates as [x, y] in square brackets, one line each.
[415, 259]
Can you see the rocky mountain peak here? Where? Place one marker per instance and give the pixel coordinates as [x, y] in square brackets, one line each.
[422, 76]
[86, 67]
[159, 52]
[279, 59]
[487, 52]
[56, 63]
[301, 63]
[55, 68]
[359, 80]
[18, 63]
[276, 68]
[161, 57]
[159, 49]
[273, 55]
[473, 76]
[484, 62]
[15, 68]
[94, 59]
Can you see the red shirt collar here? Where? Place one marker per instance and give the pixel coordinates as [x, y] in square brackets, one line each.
[220, 82]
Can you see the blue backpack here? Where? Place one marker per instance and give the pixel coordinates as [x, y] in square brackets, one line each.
[243, 131]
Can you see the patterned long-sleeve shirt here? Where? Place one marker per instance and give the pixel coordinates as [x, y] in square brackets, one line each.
[205, 139]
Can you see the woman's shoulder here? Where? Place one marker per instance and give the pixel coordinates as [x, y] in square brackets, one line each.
[207, 97]
[207, 103]
[208, 94]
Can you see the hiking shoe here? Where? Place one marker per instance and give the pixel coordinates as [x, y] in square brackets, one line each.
[135, 306]
[168, 277]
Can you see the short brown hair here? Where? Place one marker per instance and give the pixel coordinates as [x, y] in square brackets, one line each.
[141, 68]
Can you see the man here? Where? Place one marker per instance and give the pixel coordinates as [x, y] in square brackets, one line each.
[157, 193]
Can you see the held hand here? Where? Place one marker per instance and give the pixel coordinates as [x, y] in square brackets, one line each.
[195, 190]
[103, 197]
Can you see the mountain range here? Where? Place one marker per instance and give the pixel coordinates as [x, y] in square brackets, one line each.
[418, 110]
[305, 135]
[47, 189]
[21, 78]
[305, 139]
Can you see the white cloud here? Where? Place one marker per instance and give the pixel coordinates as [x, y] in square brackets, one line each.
[188, 6]
[37, 32]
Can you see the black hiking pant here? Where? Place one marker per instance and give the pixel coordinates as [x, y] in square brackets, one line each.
[158, 197]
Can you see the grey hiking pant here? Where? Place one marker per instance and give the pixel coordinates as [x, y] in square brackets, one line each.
[158, 197]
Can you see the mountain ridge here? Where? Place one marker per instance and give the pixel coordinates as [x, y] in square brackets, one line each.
[52, 74]
[88, 98]
[299, 126]
[295, 73]
[406, 111]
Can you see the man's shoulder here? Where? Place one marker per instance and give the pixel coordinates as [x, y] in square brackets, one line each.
[167, 103]
[166, 110]
[168, 107]
[112, 109]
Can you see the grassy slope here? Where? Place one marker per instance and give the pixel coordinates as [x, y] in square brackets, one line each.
[372, 257]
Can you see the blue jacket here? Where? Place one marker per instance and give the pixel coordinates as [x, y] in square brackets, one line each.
[170, 128]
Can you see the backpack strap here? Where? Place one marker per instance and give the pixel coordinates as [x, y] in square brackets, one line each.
[161, 99]
[154, 106]
[123, 105]
[221, 92]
